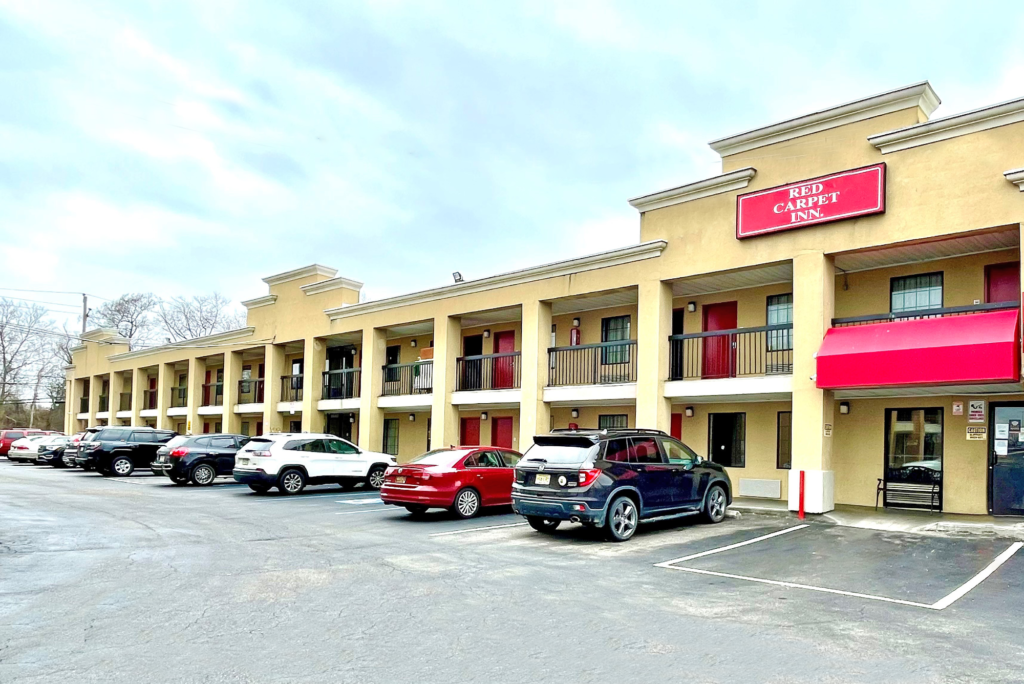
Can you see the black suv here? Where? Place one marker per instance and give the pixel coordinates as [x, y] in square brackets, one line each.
[120, 450]
[198, 459]
[615, 479]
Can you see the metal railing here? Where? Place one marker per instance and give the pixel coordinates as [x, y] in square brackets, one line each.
[213, 394]
[149, 400]
[592, 364]
[408, 378]
[125, 402]
[104, 403]
[291, 388]
[740, 352]
[924, 313]
[83, 405]
[179, 397]
[250, 391]
[488, 372]
[341, 384]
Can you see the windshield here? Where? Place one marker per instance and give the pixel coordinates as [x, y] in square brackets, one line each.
[441, 457]
[559, 454]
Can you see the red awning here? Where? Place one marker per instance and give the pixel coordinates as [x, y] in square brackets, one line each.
[967, 349]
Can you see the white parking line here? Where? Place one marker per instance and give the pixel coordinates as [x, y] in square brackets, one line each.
[730, 547]
[360, 502]
[374, 510]
[947, 601]
[477, 529]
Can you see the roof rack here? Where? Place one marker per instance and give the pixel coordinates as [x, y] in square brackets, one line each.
[607, 431]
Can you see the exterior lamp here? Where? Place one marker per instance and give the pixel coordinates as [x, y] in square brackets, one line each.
[351, 417]
[689, 412]
[483, 416]
[575, 322]
[487, 333]
[691, 306]
[844, 407]
[412, 416]
[412, 343]
[575, 413]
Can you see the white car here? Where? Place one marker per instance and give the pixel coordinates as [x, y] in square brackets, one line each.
[290, 461]
[24, 450]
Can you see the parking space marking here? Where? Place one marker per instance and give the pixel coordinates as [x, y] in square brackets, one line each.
[730, 547]
[477, 529]
[947, 601]
[373, 510]
[360, 502]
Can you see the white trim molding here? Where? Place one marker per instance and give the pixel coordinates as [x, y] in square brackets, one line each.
[1016, 176]
[763, 388]
[734, 180]
[289, 407]
[495, 399]
[209, 340]
[177, 411]
[209, 410]
[248, 408]
[103, 415]
[338, 405]
[332, 284]
[974, 121]
[82, 416]
[304, 272]
[644, 250]
[591, 395]
[123, 414]
[149, 413]
[917, 95]
[265, 300]
[404, 402]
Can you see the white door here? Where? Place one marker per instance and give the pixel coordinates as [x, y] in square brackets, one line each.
[349, 460]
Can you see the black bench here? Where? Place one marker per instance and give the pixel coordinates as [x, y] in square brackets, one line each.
[911, 494]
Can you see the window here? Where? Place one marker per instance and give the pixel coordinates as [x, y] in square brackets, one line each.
[391, 436]
[293, 426]
[784, 440]
[612, 330]
[337, 446]
[644, 450]
[14, 435]
[780, 312]
[916, 293]
[913, 445]
[245, 428]
[299, 445]
[484, 459]
[617, 450]
[216, 426]
[510, 458]
[678, 318]
[677, 452]
[613, 422]
[727, 439]
[223, 442]
[203, 441]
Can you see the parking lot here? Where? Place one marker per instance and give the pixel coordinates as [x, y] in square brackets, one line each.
[135, 579]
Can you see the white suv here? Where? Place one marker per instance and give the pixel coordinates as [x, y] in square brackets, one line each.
[293, 460]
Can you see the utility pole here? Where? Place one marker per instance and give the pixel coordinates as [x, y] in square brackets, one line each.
[85, 311]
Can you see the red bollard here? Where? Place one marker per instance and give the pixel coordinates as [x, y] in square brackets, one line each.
[801, 513]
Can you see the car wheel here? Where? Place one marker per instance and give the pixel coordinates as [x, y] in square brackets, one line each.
[203, 475]
[259, 489]
[375, 478]
[467, 503]
[122, 466]
[715, 505]
[622, 519]
[545, 525]
[415, 509]
[291, 482]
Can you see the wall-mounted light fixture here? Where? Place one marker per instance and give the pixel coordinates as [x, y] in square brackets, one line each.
[483, 416]
[412, 343]
[844, 407]
[689, 412]
[487, 333]
[412, 417]
[575, 413]
[351, 417]
[575, 322]
[691, 306]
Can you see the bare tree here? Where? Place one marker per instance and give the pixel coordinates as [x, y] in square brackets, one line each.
[24, 330]
[133, 315]
[187, 318]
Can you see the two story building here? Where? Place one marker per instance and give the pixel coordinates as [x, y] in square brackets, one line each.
[840, 306]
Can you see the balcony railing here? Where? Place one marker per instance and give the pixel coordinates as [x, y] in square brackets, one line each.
[741, 352]
[104, 403]
[179, 397]
[924, 313]
[593, 364]
[149, 400]
[341, 384]
[213, 394]
[408, 378]
[83, 405]
[488, 372]
[125, 402]
[250, 391]
[291, 388]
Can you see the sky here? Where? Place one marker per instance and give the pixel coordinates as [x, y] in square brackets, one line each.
[187, 147]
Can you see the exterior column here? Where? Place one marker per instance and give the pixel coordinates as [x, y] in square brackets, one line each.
[371, 418]
[72, 401]
[230, 421]
[196, 379]
[534, 413]
[654, 326]
[273, 369]
[114, 400]
[813, 308]
[444, 419]
[140, 383]
[164, 381]
[314, 361]
[95, 387]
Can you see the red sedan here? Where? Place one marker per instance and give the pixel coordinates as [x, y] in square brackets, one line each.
[463, 480]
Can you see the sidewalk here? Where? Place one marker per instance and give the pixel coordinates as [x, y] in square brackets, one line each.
[896, 520]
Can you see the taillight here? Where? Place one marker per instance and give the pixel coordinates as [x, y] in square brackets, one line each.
[588, 476]
[178, 452]
[261, 454]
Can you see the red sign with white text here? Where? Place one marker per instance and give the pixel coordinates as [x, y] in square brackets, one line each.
[858, 192]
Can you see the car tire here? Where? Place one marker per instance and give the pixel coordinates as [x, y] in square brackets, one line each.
[259, 489]
[715, 505]
[545, 525]
[203, 475]
[623, 518]
[416, 510]
[122, 466]
[467, 503]
[292, 481]
[375, 478]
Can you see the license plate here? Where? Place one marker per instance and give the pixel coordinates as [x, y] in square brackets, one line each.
[542, 479]
[400, 479]
[243, 461]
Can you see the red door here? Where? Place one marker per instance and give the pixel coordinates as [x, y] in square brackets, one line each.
[151, 404]
[206, 389]
[491, 477]
[504, 366]
[677, 426]
[501, 432]
[718, 349]
[469, 432]
[1002, 283]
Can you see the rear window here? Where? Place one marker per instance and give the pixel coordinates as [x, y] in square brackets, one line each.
[441, 457]
[562, 452]
[177, 441]
[258, 444]
[13, 435]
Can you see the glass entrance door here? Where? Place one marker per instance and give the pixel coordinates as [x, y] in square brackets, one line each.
[913, 458]
[1006, 458]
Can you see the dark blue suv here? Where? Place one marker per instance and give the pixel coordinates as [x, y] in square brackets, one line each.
[615, 479]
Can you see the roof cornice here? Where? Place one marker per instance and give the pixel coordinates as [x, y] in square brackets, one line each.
[918, 95]
[645, 250]
[948, 127]
[304, 272]
[265, 300]
[332, 284]
[734, 180]
[209, 340]
[1016, 176]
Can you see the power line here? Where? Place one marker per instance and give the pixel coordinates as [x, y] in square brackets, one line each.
[39, 301]
[14, 289]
